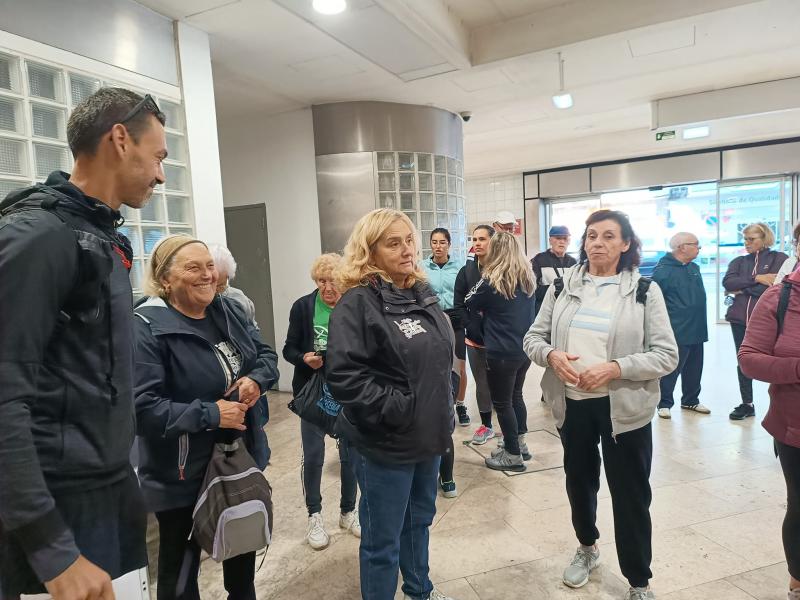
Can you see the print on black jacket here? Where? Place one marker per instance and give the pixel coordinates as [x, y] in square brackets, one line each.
[471, 320]
[66, 360]
[505, 322]
[390, 353]
[172, 358]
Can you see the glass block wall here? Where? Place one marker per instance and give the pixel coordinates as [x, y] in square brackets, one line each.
[430, 189]
[35, 101]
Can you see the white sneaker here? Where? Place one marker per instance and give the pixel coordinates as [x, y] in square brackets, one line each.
[316, 536]
[435, 595]
[664, 413]
[698, 408]
[349, 522]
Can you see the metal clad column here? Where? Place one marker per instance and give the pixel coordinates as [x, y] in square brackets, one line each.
[375, 154]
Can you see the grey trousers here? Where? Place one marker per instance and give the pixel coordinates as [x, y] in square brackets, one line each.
[477, 364]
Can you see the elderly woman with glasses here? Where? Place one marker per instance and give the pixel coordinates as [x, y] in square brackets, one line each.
[747, 278]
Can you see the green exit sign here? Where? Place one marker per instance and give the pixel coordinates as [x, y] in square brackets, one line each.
[665, 135]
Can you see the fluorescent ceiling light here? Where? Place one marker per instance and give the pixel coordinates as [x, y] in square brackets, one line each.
[563, 100]
[329, 7]
[692, 133]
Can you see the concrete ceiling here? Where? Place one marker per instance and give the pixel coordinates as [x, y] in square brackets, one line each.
[497, 59]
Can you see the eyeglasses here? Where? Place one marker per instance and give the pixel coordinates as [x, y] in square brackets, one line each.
[148, 105]
[699, 247]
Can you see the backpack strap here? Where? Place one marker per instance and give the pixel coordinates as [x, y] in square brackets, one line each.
[558, 284]
[642, 287]
[783, 304]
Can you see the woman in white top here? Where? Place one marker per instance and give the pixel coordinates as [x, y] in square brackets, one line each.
[606, 340]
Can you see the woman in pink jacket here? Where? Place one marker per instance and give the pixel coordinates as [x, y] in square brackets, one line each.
[772, 353]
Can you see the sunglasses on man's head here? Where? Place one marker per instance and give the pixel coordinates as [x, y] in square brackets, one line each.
[147, 104]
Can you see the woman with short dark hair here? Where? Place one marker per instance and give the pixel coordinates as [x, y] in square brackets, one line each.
[605, 341]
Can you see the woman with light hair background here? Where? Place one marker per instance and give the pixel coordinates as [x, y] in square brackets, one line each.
[747, 278]
[226, 267]
[504, 295]
[305, 348]
[390, 353]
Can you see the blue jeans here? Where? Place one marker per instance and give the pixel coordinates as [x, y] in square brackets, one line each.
[398, 503]
[690, 368]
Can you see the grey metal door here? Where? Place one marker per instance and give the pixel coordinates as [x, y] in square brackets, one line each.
[246, 229]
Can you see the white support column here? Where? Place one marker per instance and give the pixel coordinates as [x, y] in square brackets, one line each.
[194, 59]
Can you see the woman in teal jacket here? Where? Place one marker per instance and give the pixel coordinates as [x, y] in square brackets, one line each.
[442, 271]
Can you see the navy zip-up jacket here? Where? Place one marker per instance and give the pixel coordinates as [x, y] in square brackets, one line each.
[685, 297]
[505, 322]
[178, 382]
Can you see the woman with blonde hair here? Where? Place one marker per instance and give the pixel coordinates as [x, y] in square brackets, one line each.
[505, 297]
[390, 352]
[747, 278]
[306, 347]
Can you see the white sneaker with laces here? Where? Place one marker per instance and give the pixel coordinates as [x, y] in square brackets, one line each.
[664, 413]
[349, 522]
[640, 594]
[316, 536]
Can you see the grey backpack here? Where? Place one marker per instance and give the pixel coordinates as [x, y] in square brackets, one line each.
[233, 514]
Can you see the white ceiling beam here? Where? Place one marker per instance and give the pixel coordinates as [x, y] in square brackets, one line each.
[728, 103]
[579, 21]
[433, 21]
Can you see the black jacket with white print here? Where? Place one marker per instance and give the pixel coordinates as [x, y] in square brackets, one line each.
[390, 353]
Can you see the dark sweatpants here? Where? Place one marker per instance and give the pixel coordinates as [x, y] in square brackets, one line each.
[627, 465]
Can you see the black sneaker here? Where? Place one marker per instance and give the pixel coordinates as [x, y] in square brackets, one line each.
[742, 411]
[463, 417]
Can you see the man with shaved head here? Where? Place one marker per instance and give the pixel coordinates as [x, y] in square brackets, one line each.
[682, 285]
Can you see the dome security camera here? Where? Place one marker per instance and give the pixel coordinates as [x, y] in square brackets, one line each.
[466, 115]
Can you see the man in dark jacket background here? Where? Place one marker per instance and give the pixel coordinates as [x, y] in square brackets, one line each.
[551, 264]
[685, 296]
[70, 507]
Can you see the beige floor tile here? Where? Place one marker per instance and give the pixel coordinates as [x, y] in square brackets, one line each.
[479, 504]
[766, 583]
[458, 589]
[683, 558]
[715, 590]
[476, 549]
[550, 531]
[755, 535]
[541, 580]
[683, 504]
[748, 490]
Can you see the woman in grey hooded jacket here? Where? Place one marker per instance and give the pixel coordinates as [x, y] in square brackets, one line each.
[605, 340]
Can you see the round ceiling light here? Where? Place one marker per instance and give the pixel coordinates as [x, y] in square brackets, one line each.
[329, 7]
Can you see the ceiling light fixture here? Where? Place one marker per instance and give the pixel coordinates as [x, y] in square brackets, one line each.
[329, 7]
[563, 99]
[693, 133]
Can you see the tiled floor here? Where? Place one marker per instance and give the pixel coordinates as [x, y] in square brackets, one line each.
[718, 503]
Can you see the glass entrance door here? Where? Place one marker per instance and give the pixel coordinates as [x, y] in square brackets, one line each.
[715, 213]
[740, 204]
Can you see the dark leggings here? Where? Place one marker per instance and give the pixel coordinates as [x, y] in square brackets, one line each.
[790, 463]
[506, 378]
[446, 466]
[174, 527]
[313, 439]
[745, 383]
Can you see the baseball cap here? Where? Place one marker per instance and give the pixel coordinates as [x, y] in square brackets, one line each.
[505, 217]
[558, 230]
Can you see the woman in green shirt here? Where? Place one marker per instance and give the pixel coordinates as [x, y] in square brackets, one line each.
[306, 344]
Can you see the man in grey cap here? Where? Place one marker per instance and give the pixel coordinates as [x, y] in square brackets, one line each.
[550, 264]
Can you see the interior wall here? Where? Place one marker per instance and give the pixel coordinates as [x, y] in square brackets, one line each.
[271, 161]
[485, 197]
[201, 133]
